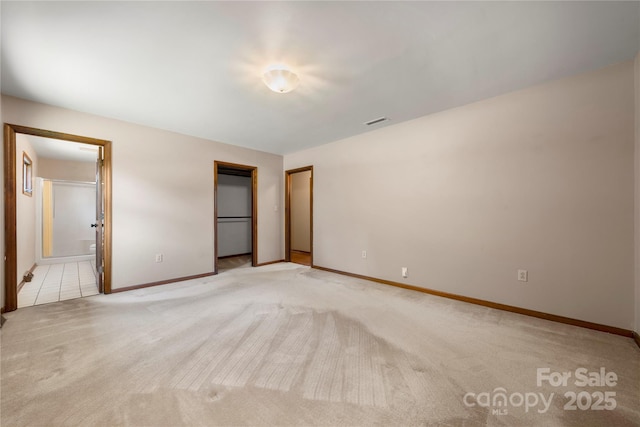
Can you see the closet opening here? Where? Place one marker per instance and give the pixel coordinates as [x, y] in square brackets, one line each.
[235, 216]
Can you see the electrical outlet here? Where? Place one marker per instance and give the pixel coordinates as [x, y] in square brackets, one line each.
[405, 272]
[523, 275]
[364, 254]
[159, 257]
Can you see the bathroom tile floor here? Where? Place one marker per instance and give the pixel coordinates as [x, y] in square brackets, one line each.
[58, 282]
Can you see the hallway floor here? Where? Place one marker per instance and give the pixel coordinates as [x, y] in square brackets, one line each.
[299, 257]
[59, 282]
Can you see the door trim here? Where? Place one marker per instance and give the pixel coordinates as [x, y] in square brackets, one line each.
[254, 209]
[287, 211]
[10, 208]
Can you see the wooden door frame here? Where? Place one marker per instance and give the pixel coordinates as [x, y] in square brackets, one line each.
[287, 211]
[254, 209]
[10, 206]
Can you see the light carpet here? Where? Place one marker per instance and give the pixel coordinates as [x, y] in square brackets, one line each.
[288, 345]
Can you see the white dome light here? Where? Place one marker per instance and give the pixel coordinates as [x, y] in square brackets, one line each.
[280, 80]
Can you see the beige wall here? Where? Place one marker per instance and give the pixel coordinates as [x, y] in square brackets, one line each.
[637, 191]
[301, 211]
[539, 179]
[163, 192]
[67, 170]
[25, 209]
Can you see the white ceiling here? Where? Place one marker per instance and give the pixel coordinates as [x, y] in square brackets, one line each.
[195, 67]
[50, 148]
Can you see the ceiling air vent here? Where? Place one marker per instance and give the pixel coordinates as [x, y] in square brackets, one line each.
[374, 121]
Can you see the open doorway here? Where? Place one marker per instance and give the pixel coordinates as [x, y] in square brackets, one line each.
[57, 215]
[235, 216]
[299, 216]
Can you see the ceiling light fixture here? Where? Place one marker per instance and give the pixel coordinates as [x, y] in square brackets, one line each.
[280, 79]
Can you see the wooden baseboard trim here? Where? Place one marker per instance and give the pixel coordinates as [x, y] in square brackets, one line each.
[162, 282]
[636, 338]
[541, 315]
[269, 263]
